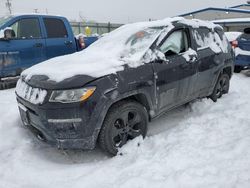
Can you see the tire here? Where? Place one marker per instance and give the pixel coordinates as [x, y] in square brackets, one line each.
[237, 69]
[221, 87]
[124, 121]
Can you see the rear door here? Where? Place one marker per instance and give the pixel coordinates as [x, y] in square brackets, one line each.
[208, 59]
[25, 48]
[59, 40]
[175, 75]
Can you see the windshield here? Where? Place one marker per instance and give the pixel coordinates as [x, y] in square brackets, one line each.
[142, 40]
[129, 43]
[3, 20]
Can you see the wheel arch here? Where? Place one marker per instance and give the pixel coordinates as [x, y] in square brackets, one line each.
[140, 97]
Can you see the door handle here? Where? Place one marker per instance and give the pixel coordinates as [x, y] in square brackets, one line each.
[68, 43]
[38, 45]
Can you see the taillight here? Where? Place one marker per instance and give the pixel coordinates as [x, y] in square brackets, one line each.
[81, 42]
[234, 44]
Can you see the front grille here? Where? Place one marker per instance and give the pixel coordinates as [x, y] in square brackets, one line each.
[30, 94]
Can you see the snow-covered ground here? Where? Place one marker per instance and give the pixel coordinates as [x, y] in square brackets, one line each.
[203, 145]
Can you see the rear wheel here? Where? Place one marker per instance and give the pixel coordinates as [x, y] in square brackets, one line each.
[221, 87]
[237, 69]
[125, 121]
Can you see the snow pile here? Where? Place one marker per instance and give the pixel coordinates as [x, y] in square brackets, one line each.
[231, 36]
[111, 52]
[205, 145]
[33, 95]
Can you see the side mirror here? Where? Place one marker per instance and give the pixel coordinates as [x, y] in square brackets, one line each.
[9, 33]
[160, 56]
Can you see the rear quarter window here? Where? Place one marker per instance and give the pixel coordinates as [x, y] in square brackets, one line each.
[55, 28]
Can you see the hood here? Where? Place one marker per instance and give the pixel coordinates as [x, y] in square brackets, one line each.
[41, 81]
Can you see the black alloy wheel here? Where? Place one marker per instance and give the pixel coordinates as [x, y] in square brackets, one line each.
[125, 121]
[221, 87]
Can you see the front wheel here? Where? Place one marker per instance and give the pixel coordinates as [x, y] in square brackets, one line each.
[124, 121]
[221, 87]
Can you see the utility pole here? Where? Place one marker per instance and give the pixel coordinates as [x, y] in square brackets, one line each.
[8, 6]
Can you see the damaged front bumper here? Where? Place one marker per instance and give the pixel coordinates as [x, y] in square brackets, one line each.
[64, 128]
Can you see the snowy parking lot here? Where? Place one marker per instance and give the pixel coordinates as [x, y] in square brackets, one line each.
[204, 144]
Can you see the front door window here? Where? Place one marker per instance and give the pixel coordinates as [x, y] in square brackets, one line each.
[26, 29]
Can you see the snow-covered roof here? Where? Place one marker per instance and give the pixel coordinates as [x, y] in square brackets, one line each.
[233, 20]
[110, 53]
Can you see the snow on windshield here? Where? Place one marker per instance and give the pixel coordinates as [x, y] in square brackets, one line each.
[138, 44]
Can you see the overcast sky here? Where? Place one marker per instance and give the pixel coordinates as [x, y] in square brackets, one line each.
[116, 11]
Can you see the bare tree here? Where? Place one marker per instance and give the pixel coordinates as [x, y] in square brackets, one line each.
[9, 6]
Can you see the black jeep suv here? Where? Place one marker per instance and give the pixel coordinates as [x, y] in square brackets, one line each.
[109, 92]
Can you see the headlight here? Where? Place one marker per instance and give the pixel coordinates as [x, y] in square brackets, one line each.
[73, 95]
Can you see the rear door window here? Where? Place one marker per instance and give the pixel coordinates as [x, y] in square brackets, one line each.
[28, 28]
[55, 28]
[203, 37]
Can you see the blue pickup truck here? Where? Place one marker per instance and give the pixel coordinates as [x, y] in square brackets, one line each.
[26, 40]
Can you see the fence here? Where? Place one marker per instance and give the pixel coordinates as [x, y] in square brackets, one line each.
[96, 28]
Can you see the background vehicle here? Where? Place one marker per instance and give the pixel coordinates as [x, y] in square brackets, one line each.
[33, 39]
[144, 71]
[242, 51]
[232, 36]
